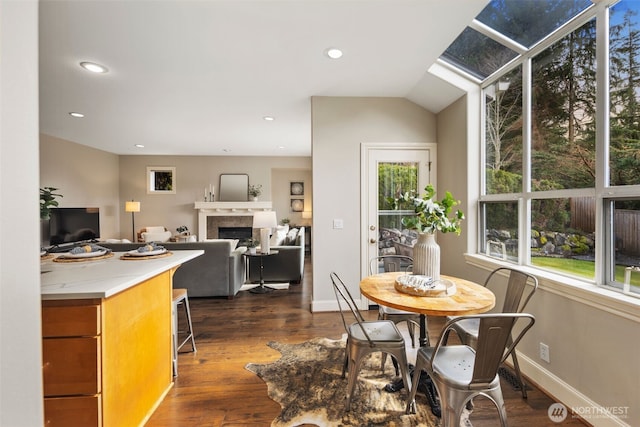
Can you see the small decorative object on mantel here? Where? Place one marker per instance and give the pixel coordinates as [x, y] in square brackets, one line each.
[430, 216]
[255, 191]
[210, 193]
[183, 230]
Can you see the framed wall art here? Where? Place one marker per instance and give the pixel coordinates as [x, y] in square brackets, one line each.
[297, 205]
[161, 180]
[297, 188]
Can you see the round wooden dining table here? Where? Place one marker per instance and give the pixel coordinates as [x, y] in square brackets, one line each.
[469, 298]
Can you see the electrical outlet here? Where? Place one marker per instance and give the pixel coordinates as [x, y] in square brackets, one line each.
[544, 352]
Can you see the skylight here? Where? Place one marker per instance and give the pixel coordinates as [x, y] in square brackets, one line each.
[505, 29]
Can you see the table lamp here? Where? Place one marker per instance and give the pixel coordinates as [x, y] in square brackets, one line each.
[265, 221]
[132, 207]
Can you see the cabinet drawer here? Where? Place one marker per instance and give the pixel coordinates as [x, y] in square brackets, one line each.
[71, 366]
[79, 411]
[70, 321]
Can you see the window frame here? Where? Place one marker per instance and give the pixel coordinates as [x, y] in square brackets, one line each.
[603, 194]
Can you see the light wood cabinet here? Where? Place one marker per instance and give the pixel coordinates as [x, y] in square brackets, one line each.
[108, 362]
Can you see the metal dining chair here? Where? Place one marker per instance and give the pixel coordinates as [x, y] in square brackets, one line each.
[460, 372]
[395, 263]
[365, 337]
[520, 288]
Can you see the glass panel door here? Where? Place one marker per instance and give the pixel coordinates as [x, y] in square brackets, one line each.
[390, 173]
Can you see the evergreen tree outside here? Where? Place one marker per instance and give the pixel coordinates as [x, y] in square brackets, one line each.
[624, 96]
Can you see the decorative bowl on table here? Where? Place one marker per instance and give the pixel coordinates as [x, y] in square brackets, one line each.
[150, 249]
[424, 286]
[87, 251]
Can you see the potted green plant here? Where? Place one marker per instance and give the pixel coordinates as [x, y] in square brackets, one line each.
[255, 191]
[47, 201]
[285, 221]
[430, 215]
[252, 245]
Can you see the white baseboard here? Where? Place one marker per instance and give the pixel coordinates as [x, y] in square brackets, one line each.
[574, 400]
[326, 305]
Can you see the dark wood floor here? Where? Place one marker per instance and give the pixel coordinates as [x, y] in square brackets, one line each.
[214, 389]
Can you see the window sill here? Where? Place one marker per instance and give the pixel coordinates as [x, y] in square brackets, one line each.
[586, 293]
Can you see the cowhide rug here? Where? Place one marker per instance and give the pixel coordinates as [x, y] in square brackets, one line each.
[306, 382]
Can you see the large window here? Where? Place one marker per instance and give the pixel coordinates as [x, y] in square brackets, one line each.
[561, 159]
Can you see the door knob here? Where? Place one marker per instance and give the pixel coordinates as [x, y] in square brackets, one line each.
[372, 240]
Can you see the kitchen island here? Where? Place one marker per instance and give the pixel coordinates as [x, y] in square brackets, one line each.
[106, 327]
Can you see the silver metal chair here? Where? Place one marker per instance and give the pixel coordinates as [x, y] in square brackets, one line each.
[366, 337]
[520, 288]
[180, 298]
[395, 263]
[460, 372]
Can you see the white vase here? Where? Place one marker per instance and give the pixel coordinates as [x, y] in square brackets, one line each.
[426, 256]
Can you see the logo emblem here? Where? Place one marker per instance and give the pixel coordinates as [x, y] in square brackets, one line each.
[557, 412]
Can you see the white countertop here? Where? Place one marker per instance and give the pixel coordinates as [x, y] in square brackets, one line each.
[103, 278]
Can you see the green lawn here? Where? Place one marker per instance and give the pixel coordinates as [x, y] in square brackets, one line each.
[579, 268]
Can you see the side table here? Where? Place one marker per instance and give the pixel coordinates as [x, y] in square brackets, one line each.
[262, 289]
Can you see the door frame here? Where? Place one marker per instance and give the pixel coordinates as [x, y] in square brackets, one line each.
[366, 188]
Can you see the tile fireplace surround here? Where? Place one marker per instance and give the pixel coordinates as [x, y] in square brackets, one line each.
[212, 215]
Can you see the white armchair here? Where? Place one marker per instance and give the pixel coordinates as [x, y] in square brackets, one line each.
[154, 234]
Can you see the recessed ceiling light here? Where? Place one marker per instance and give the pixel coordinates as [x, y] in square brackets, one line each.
[333, 53]
[139, 146]
[269, 118]
[281, 147]
[93, 67]
[76, 115]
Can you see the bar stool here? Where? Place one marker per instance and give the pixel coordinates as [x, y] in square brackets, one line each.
[180, 298]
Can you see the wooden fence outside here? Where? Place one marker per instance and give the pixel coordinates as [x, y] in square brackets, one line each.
[626, 224]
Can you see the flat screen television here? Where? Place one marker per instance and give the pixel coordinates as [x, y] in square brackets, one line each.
[72, 225]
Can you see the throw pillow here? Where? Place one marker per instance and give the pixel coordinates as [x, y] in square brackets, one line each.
[291, 237]
[278, 238]
[155, 229]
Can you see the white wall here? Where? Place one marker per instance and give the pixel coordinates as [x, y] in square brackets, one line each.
[339, 126]
[193, 174]
[20, 332]
[86, 177]
[281, 180]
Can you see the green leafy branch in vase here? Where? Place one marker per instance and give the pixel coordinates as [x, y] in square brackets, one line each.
[431, 215]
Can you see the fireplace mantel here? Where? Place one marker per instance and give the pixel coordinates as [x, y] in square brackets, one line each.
[207, 209]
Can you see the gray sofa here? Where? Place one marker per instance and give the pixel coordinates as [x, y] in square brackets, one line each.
[285, 266]
[218, 272]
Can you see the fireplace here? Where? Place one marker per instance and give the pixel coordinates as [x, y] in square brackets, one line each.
[241, 233]
[235, 217]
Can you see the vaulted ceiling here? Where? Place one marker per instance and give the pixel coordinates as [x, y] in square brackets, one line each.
[198, 77]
